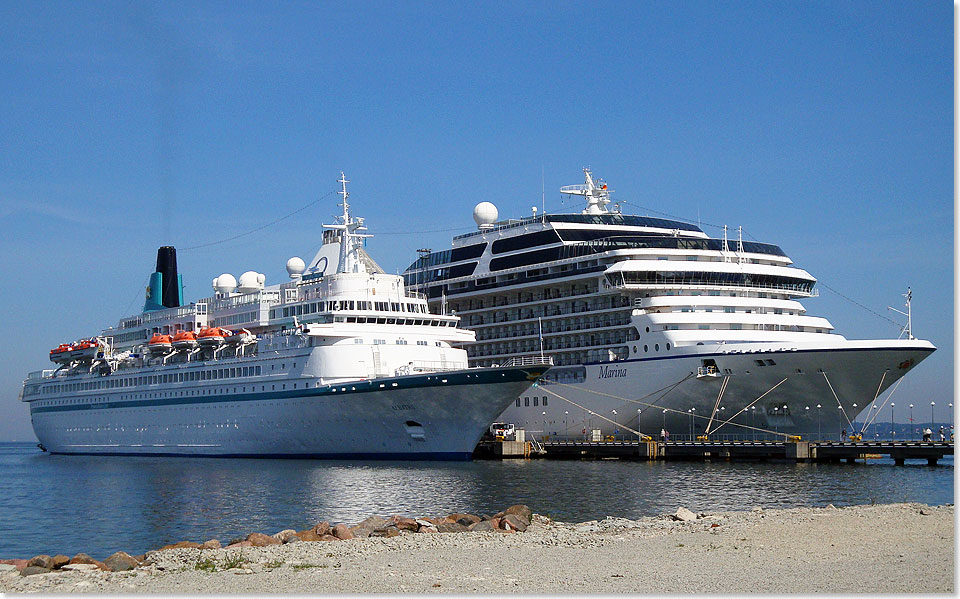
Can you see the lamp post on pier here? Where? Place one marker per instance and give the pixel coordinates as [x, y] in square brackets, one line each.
[932, 403]
[753, 421]
[806, 413]
[566, 430]
[911, 422]
[639, 424]
[616, 425]
[893, 433]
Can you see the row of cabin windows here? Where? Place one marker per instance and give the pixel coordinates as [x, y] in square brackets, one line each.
[337, 305]
[154, 379]
[536, 401]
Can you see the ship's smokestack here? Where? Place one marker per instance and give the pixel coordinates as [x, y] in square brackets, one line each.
[167, 267]
[166, 286]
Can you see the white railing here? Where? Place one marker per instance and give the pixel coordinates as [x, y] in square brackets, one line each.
[527, 361]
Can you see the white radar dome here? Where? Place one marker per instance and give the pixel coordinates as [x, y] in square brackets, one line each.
[251, 281]
[485, 214]
[225, 283]
[295, 267]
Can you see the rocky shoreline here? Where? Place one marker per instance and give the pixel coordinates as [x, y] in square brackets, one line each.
[882, 548]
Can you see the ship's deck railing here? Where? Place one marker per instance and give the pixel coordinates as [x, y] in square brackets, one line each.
[526, 361]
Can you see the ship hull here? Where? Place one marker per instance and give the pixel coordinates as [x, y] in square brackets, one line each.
[437, 416]
[799, 379]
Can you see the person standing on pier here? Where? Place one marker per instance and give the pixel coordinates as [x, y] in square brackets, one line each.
[843, 435]
[943, 436]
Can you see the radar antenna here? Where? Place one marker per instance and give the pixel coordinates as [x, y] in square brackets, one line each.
[908, 328]
[349, 238]
[597, 194]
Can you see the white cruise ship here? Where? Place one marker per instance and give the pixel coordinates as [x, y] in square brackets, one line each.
[654, 325]
[340, 362]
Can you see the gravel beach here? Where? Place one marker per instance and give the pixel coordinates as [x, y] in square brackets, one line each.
[864, 549]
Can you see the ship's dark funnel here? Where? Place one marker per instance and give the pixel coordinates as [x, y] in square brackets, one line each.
[167, 266]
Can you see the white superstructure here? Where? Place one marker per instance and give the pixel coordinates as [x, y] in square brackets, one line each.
[653, 324]
[340, 361]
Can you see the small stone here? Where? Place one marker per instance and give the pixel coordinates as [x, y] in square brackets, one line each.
[292, 539]
[60, 561]
[923, 512]
[41, 561]
[80, 567]
[31, 570]
[513, 522]
[429, 529]
[283, 535]
[757, 509]
[684, 515]
[342, 531]
[258, 539]
[120, 562]
[211, 544]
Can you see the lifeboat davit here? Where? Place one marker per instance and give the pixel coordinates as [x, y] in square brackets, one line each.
[84, 350]
[212, 336]
[185, 340]
[61, 353]
[159, 344]
[238, 337]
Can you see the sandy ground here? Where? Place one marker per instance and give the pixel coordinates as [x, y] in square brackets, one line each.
[863, 549]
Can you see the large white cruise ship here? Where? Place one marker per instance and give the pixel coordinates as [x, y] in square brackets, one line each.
[652, 324]
[341, 362]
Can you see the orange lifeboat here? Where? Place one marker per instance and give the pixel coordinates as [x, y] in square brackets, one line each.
[212, 336]
[85, 349]
[185, 340]
[61, 353]
[159, 344]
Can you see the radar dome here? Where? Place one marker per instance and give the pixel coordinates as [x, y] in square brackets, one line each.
[295, 267]
[225, 283]
[485, 214]
[251, 281]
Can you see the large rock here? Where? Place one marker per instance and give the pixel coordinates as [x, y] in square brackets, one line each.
[308, 535]
[20, 564]
[323, 528]
[386, 531]
[521, 511]
[283, 535]
[41, 561]
[342, 531]
[239, 544]
[484, 526]
[407, 524]
[684, 515]
[60, 561]
[373, 523]
[81, 567]
[292, 539]
[513, 522]
[211, 544]
[83, 558]
[261, 540]
[181, 545]
[120, 562]
[464, 519]
[451, 527]
[31, 570]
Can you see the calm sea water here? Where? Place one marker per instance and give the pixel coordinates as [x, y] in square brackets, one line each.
[66, 504]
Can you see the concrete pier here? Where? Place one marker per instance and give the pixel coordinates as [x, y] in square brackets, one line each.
[796, 451]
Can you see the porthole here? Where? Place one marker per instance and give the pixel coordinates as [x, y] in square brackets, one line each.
[634, 349]
[656, 347]
[648, 329]
[668, 347]
[644, 348]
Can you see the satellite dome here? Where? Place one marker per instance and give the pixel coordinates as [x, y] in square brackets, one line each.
[225, 283]
[251, 281]
[485, 214]
[295, 267]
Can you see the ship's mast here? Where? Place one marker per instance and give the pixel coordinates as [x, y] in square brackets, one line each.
[597, 194]
[349, 238]
[909, 314]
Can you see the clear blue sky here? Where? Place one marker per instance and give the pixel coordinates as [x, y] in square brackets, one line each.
[824, 127]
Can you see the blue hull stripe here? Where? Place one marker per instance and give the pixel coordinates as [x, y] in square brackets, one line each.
[482, 377]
